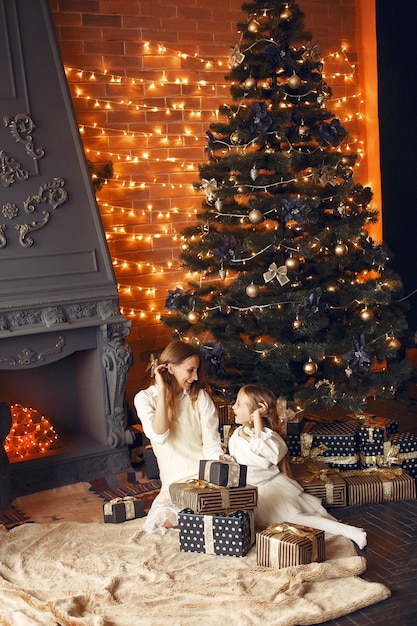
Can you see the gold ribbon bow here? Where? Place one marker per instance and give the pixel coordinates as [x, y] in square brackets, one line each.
[236, 56]
[318, 473]
[391, 456]
[306, 442]
[128, 501]
[280, 273]
[277, 531]
[209, 186]
[205, 484]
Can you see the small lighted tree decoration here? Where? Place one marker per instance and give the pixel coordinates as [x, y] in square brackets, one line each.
[293, 293]
[31, 433]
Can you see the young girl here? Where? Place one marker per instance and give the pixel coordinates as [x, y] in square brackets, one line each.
[180, 419]
[257, 444]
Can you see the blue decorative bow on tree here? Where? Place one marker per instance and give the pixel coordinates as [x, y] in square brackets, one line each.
[313, 306]
[293, 210]
[357, 357]
[172, 299]
[213, 355]
[334, 132]
[228, 249]
[260, 120]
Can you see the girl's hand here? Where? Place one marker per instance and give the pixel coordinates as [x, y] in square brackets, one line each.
[256, 417]
[261, 410]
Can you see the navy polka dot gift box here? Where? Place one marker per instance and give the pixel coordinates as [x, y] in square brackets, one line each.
[221, 534]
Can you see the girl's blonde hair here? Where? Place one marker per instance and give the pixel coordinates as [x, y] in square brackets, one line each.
[256, 395]
[175, 353]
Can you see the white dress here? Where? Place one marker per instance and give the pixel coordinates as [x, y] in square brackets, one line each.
[193, 436]
[280, 498]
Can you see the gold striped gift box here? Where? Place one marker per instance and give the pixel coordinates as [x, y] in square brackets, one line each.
[287, 545]
[204, 497]
[378, 484]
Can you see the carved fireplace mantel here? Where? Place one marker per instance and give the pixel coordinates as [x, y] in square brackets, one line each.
[62, 337]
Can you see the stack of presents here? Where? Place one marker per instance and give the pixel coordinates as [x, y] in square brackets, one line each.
[348, 461]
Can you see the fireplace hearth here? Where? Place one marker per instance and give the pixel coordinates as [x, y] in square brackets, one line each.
[62, 336]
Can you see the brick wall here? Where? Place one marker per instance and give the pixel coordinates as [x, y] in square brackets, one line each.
[146, 77]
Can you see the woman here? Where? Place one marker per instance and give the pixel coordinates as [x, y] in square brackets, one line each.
[257, 444]
[180, 420]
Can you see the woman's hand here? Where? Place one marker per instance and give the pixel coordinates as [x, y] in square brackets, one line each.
[160, 379]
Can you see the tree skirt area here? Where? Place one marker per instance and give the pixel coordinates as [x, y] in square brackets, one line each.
[58, 570]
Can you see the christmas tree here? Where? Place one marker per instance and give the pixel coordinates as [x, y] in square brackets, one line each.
[292, 291]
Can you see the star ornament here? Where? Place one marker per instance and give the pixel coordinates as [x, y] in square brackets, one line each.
[280, 273]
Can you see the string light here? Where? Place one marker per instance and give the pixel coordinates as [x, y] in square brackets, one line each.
[155, 154]
[31, 433]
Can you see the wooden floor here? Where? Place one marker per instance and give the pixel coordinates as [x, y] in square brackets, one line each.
[392, 539]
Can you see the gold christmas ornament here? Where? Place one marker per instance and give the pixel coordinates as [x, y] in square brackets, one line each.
[252, 291]
[393, 343]
[292, 263]
[294, 81]
[332, 288]
[366, 314]
[193, 317]
[341, 249]
[250, 83]
[297, 323]
[235, 137]
[285, 15]
[310, 367]
[253, 26]
[255, 216]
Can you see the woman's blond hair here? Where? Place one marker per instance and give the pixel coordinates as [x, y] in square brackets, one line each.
[175, 353]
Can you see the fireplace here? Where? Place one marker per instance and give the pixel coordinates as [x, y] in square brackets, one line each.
[62, 337]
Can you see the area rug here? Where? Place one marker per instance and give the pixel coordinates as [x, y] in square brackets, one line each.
[79, 502]
[96, 574]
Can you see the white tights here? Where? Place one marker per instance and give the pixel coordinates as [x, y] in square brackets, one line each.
[332, 526]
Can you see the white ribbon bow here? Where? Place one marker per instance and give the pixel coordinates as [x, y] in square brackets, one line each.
[209, 186]
[280, 273]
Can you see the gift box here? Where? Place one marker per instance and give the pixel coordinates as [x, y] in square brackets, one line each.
[225, 472]
[220, 533]
[335, 443]
[400, 450]
[290, 417]
[379, 484]
[293, 444]
[404, 451]
[286, 545]
[203, 497]
[369, 453]
[320, 480]
[373, 429]
[121, 510]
